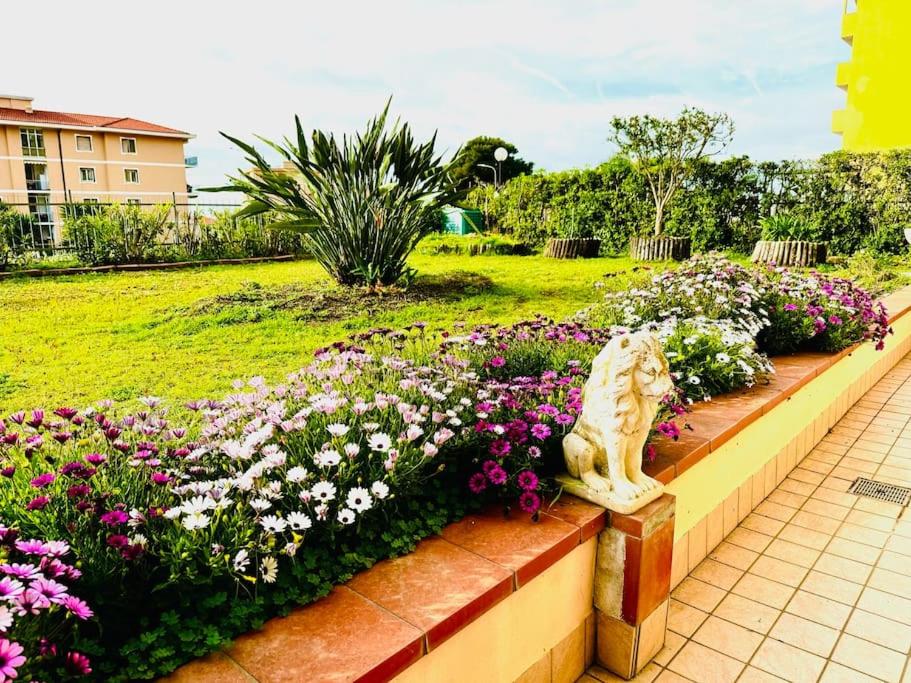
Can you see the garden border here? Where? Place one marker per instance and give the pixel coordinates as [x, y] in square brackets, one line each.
[135, 267]
[394, 621]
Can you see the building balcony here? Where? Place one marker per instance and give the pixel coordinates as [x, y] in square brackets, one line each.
[843, 75]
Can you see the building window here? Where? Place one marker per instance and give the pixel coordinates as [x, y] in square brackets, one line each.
[132, 201]
[90, 200]
[36, 177]
[87, 175]
[131, 175]
[128, 145]
[32, 142]
[83, 143]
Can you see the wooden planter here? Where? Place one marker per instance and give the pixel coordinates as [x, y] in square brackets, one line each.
[790, 253]
[659, 248]
[572, 248]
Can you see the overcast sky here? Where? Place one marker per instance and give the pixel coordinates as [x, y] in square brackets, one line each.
[545, 75]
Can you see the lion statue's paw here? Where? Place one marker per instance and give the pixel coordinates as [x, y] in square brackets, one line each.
[596, 482]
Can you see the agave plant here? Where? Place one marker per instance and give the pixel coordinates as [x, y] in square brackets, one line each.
[363, 202]
[786, 226]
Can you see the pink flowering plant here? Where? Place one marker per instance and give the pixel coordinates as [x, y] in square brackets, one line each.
[39, 612]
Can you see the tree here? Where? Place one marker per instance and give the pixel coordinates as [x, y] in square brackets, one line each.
[467, 171]
[665, 150]
[363, 202]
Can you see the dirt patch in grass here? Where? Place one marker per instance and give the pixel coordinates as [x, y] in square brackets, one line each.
[254, 302]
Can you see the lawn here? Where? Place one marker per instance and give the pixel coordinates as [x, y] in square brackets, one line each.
[187, 334]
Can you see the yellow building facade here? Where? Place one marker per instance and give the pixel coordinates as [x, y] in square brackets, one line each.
[48, 159]
[876, 79]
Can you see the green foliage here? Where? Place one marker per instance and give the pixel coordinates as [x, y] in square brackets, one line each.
[225, 235]
[12, 241]
[664, 150]
[472, 245]
[363, 202]
[115, 233]
[466, 170]
[782, 227]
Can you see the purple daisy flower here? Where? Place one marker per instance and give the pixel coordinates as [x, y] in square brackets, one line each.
[10, 589]
[32, 602]
[540, 431]
[20, 571]
[497, 476]
[529, 502]
[114, 517]
[37, 503]
[43, 480]
[78, 663]
[31, 547]
[79, 608]
[477, 482]
[527, 480]
[10, 658]
[50, 589]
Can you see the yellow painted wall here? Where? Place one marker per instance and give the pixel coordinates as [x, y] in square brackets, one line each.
[876, 79]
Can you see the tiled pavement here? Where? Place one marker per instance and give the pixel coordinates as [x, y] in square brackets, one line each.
[815, 584]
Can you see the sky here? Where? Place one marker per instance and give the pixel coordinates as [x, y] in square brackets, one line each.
[545, 75]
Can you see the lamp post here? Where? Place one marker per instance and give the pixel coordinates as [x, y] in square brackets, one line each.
[496, 175]
[500, 154]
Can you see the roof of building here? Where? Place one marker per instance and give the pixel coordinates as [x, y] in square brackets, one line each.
[59, 118]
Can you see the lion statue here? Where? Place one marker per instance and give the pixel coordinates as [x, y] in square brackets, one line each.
[629, 378]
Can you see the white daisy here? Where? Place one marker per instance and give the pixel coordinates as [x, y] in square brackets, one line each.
[241, 560]
[327, 458]
[299, 521]
[359, 499]
[260, 504]
[380, 489]
[346, 516]
[352, 449]
[273, 524]
[6, 618]
[323, 491]
[269, 569]
[337, 429]
[296, 474]
[196, 520]
[379, 442]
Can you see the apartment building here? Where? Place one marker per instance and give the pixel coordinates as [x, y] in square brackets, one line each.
[875, 79]
[49, 158]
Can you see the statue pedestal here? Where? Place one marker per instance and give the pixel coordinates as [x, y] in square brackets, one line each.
[609, 500]
[632, 586]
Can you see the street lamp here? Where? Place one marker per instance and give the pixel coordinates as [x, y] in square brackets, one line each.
[500, 154]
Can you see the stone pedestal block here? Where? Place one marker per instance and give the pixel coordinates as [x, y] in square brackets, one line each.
[632, 586]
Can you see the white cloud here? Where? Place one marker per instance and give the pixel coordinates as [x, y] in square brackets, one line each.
[547, 76]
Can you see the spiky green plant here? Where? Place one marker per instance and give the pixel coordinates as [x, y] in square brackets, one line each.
[786, 226]
[363, 202]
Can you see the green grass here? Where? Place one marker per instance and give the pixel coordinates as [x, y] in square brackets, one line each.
[187, 334]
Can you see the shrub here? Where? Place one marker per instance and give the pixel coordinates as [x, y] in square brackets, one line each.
[12, 240]
[363, 203]
[472, 245]
[224, 235]
[786, 226]
[114, 234]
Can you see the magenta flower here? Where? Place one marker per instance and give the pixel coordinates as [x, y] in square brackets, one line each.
[50, 589]
[529, 502]
[78, 491]
[160, 478]
[668, 429]
[46, 648]
[10, 658]
[79, 608]
[118, 541]
[534, 452]
[32, 602]
[95, 458]
[540, 431]
[497, 362]
[8, 471]
[66, 413]
[38, 503]
[10, 589]
[500, 448]
[477, 482]
[527, 480]
[31, 547]
[114, 517]
[19, 571]
[497, 476]
[43, 480]
[78, 663]
[564, 419]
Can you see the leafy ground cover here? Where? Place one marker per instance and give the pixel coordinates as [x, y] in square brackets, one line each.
[186, 334]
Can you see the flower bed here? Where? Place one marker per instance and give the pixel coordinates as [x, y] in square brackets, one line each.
[235, 510]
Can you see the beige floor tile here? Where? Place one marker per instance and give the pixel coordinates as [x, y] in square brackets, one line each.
[729, 638]
[647, 675]
[683, 619]
[774, 510]
[816, 465]
[890, 582]
[792, 552]
[886, 605]
[698, 594]
[879, 630]
[858, 572]
[779, 570]
[835, 497]
[801, 488]
[837, 673]
[894, 562]
[870, 521]
[824, 509]
[782, 497]
[899, 544]
[819, 609]
[747, 613]
[803, 536]
[733, 555]
[672, 644]
[751, 540]
[717, 573]
[853, 550]
[815, 522]
[753, 675]
[805, 634]
[763, 590]
[807, 476]
[667, 676]
[871, 537]
[703, 664]
[788, 662]
[869, 658]
[764, 525]
[832, 587]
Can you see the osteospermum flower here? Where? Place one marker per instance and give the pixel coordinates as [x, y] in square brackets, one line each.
[324, 491]
[497, 476]
[78, 608]
[241, 561]
[10, 658]
[195, 520]
[78, 663]
[273, 524]
[359, 499]
[114, 517]
[20, 571]
[337, 429]
[43, 480]
[52, 590]
[296, 474]
[327, 458]
[379, 442]
[269, 569]
[379, 489]
[6, 618]
[527, 480]
[299, 521]
[31, 547]
[529, 502]
[10, 589]
[346, 516]
[477, 482]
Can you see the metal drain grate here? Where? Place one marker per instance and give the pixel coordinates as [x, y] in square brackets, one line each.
[881, 491]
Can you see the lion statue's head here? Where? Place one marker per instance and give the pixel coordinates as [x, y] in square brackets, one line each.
[633, 364]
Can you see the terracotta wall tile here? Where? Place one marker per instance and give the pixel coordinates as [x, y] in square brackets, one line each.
[590, 518]
[214, 668]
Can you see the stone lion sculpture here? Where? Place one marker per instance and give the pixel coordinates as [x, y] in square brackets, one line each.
[619, 402]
